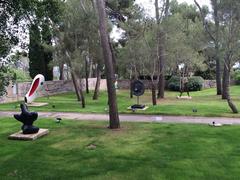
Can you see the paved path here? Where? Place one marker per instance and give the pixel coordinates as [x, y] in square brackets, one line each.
[134, 118]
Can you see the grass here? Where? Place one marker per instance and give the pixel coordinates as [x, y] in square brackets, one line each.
[206, 103]
[136, 151]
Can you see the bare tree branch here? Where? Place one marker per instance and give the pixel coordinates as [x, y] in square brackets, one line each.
[204, 21]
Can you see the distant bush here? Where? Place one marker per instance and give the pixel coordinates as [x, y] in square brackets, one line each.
[174, 83]
[21, 75]
[236, 77]
[6, 75]
[208, 74]
[195, 83]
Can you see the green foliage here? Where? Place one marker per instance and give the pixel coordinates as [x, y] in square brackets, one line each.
[6, 75]
[4, 45]
[139, 56]
[20, 75]
[7, 19]
[187, 11]
[36, 61]
[236, 76]
[209, 74]
[47, 16]
[195, 83]
[185, 39]
[174, 83]
[79, 42]
[47, 53]
[118, 8]
[40, 54]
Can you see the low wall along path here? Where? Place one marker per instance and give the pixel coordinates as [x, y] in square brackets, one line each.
[16, 92]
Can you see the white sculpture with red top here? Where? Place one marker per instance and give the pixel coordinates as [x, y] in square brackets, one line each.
[37, 84]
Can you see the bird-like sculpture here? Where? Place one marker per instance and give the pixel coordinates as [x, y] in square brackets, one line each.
[27, 118]
[58, 120]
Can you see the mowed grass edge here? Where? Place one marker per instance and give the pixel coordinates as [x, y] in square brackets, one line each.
[88, 150]
[203, 103]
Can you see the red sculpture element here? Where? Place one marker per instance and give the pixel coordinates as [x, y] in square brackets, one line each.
[34, 87]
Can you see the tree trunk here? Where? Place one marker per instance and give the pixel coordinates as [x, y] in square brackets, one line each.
[81, 94]
[218, 76]
[91, 69]
[161, 81]
[232, 106]
[74, 79]
[78, 89]
[217, 51]
[131, 85]
[226, 85]
[225, 82]
[61, 69]
[68, 74]
[97, 86]
[132, 79]
[113, 56]
[75, 82]
[161, 50]
[112, 97]
[153, 88]
[86, 75]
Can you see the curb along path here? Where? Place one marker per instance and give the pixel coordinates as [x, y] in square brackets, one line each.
[132, 117]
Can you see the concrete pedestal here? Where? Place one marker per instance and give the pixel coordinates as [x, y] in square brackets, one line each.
[145, 108]
[37, 104]
[184, 97]
[28, 137]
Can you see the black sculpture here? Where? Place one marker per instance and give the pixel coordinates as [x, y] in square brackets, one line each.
[27, 118]
[138, 90]
[184, 87]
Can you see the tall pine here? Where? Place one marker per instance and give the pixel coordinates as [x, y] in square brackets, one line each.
[36, 59]
[47, 53]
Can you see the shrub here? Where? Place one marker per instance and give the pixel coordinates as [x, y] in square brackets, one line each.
[174, 83]
[195, 83]
[21, 75]
[6, 76]
[236, 77]
[208, 74]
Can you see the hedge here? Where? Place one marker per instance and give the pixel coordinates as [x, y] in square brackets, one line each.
[195, 83]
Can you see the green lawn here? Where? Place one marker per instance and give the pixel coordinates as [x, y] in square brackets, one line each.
[137, 151]
[206, 103]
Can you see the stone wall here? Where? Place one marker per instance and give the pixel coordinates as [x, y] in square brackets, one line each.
[17, 91]
[209, 84]
[125, 84]
[92, 82]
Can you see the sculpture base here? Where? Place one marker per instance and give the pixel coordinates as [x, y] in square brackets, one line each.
[37, 104]
[142, 109]
[215, 125]
[138, 106]
[184, 97]
[28, 137]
